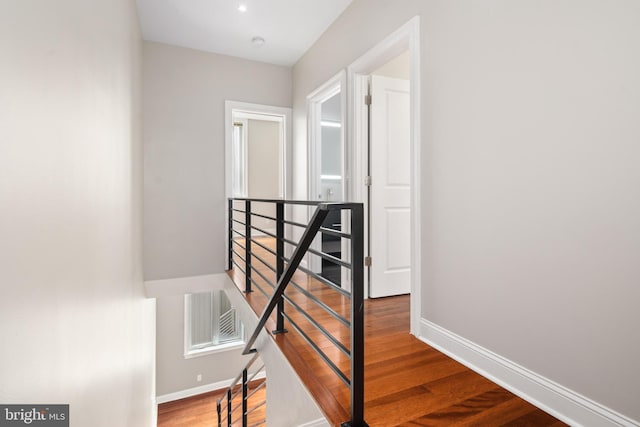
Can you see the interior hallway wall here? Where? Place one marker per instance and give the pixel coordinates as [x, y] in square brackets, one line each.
[530, 196]
[184, 200]
[75, 326]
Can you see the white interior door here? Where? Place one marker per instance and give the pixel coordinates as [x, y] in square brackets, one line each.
[389, 203]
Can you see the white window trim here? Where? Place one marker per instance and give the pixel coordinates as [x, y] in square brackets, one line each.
[190, 353]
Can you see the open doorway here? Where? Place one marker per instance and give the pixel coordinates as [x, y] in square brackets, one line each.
[257, 157]
[327, 175]
[389, 189]
[384, 115]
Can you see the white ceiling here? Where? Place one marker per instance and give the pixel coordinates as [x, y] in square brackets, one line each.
[289, 27]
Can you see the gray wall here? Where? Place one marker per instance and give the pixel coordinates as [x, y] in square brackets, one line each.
[183, 98]
[175, 373]
[74, 323]
[530, 195]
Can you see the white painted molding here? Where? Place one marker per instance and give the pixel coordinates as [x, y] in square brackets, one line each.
[220, 385]
[561, 402]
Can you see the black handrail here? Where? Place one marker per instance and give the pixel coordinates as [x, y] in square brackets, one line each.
[287, 266]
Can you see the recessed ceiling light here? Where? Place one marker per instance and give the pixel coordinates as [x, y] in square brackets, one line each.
[258, 41]
[242, 8]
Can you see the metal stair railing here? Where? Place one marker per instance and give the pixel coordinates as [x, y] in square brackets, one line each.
[242, 254]
[227, 406]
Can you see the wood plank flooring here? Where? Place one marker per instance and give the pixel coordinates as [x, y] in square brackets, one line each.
[407, 383]
[200, 410]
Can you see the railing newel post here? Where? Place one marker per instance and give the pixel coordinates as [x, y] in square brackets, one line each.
[357, 317]
[229, 420]
[280, 265]
[245, 390]
[247, 252]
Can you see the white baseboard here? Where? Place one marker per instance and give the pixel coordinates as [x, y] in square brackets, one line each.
[220, 385]
[564, 404]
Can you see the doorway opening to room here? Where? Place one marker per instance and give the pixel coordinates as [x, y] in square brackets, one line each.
[327, 175]
[384, 113]
[258, 156]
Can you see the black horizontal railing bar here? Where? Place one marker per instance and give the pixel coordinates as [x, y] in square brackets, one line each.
[321, 304]
[290, 242]
[335, 233]
[330, 258]
[297, 224]
[238, 210]
[238, 233]
[321, 254]
[318, 351]
[259, 258]
[271, 251]
[319, 327]
[263, 216]
[238, 243]
[286, 202]
[268, 233]
[307, 237]
[269, 282]
[325, 281]
[239, 256]
[320, 204]
[238, 221]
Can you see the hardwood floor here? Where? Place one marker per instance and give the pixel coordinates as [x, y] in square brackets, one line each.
[200, 410]
[407, 383]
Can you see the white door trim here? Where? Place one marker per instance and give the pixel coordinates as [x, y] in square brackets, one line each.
[334, 85]
[331, 87]
[406, 37]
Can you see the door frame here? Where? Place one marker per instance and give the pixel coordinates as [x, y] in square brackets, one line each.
[255, 111]
[405, 38]
[336, 84]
